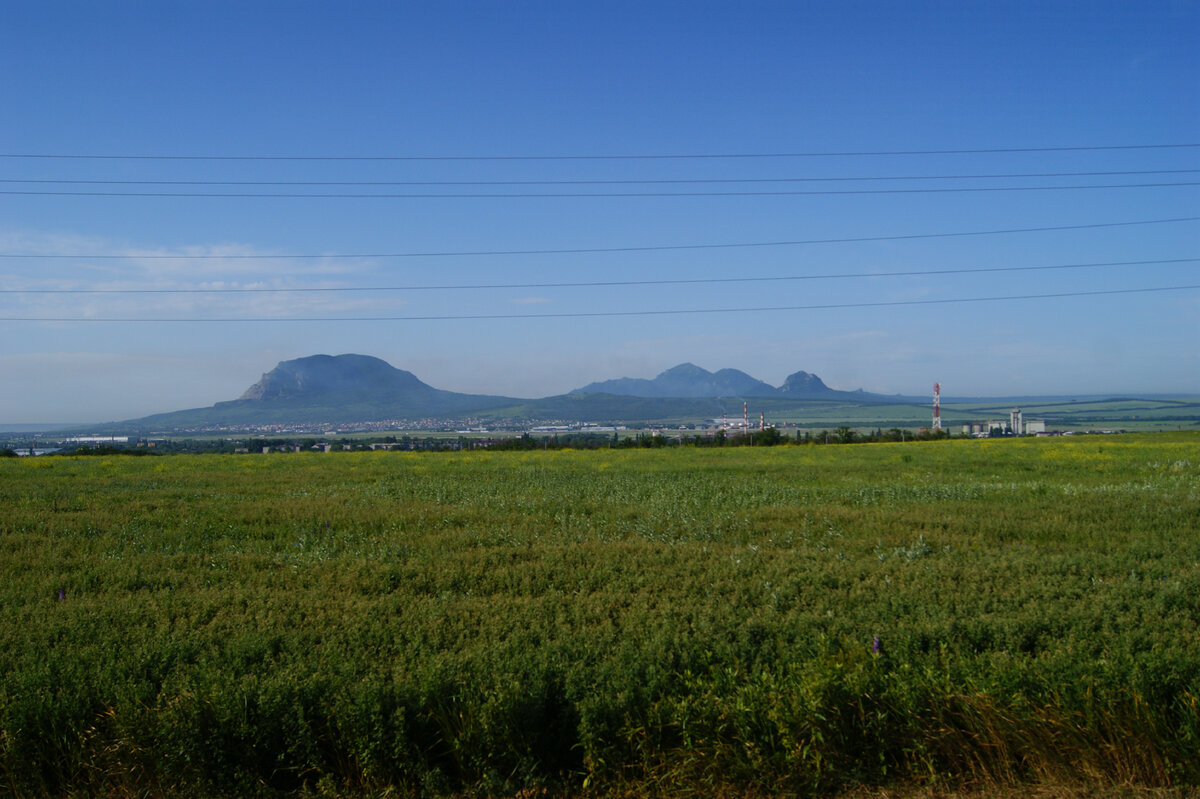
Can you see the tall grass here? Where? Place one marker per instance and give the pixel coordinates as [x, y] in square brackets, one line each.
[791, 621]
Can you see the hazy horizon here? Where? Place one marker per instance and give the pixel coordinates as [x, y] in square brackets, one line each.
[949, 397]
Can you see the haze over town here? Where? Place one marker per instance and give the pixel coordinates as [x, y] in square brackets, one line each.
[521, 199]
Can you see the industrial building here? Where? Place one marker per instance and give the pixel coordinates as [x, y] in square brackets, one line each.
[1016, 425]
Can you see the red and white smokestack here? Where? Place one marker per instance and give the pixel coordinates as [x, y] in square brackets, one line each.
[937, 406]
[762, 421]
[745, 417]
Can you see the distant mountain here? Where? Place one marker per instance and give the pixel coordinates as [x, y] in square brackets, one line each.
[343, 389]
[802, 384]
[684, 381]
[688, 381]
[331, 389]
[322, 374]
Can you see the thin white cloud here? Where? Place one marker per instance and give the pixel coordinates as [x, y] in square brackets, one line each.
[172, 266]
[137, 269]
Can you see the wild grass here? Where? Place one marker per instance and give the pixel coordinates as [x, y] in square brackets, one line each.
[784, 621]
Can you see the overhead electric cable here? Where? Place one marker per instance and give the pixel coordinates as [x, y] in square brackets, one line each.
[564, 195]
[593, 250]
[608, 157]
[592, 314]
[604, 182]
[602, 283]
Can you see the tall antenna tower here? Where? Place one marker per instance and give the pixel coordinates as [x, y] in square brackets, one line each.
[937, 407]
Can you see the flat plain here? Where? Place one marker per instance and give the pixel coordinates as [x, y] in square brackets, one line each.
[792, 620]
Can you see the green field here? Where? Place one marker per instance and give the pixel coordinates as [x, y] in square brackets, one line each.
[674, 622]
[1133, 415]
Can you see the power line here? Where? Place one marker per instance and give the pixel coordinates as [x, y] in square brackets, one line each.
[595, 250]
[609, 157]
[562, 195]
[602, 283]
[598, 182]
[594, 314]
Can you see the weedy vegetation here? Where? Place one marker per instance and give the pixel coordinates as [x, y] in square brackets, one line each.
[948, 615]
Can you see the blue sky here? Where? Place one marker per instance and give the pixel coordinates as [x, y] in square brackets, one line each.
[447, 80]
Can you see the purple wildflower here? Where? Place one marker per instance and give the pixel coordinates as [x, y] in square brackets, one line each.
[875, 645]
[61, 595]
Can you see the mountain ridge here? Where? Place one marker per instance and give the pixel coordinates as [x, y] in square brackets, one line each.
[684, 381]
[688, 381]
[352, 388]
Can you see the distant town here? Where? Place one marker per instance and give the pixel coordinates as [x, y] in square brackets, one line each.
[432, 434]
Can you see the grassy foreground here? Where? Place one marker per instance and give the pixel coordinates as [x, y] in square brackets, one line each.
[792, 620]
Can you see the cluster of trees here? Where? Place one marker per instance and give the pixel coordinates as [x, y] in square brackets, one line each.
[840, 435]
[104, 449]
[848, 435]
[768, 437]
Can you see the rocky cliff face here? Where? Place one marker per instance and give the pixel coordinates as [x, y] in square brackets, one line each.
[803, 384]
[321, 374]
